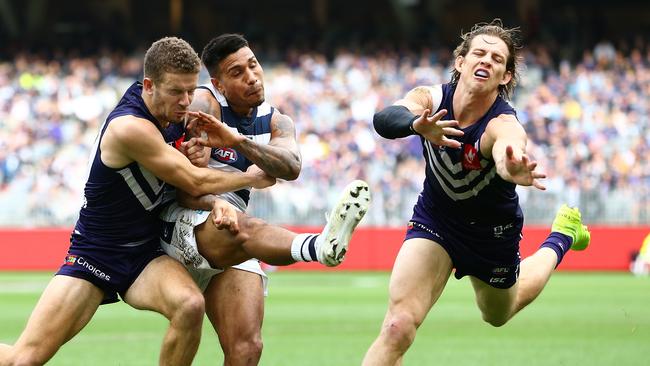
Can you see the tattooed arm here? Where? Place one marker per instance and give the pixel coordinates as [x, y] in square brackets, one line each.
[281, 157]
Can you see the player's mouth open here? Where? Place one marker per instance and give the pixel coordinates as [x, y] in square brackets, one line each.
[482, 73]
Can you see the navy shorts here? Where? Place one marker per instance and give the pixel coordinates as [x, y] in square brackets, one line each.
[489, 252]
[112, 269]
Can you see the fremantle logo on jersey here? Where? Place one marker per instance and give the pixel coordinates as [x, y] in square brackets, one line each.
[471, 159]
[224, 155]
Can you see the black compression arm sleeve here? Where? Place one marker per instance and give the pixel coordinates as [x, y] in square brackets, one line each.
[394, 122]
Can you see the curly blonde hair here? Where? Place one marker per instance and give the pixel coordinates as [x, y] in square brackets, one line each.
[170, 55]
[511, 37]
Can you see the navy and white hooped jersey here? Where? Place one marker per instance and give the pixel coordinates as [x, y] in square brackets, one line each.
[257, 128]
[461, 184]
[121, 205]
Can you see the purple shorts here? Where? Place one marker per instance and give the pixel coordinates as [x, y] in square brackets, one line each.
[112, 269]
[489, 253]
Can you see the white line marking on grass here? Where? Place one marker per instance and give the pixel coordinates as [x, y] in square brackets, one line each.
[22, 287]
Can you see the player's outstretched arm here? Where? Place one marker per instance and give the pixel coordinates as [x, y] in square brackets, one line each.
[128, 139]
[280, 158]
[505, 140]
[412, 115]
[432, 128]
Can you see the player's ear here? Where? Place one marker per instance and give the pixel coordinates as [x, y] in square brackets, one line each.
[218, 85]
[507, 76]
[147, 85]
[458, 63]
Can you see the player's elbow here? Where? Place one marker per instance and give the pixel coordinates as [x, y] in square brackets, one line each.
[194, 189]
[291, 167]
[393, 122]
[294, 171]
[290, 177]
[379, 122]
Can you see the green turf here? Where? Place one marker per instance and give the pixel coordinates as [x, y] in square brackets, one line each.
[331, 318]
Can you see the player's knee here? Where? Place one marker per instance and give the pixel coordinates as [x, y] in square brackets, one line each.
[249, 350]
[6, 355]
[27, 357]
[249, 224]
[26, 361]
[400, 329]
[190, 308]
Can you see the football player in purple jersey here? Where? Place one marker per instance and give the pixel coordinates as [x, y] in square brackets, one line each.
[468, 216]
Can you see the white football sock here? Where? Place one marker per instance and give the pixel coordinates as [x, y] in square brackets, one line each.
[303, 248]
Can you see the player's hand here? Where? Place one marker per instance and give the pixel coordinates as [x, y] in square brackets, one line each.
[198, 154]
[433, 129]
[224, 216]
[213, 132]
[522, 170]
[261, 179]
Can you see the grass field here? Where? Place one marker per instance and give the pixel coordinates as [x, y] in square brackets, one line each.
[331, 318]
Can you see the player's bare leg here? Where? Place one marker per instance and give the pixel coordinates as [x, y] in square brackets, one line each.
[65, 307]
[166, 287]
[419, 275]
[278, 246]
[500, 305]
[258, 240]
[235, 306]
[5, 353]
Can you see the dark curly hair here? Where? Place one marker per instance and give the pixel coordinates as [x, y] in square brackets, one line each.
[219, 48]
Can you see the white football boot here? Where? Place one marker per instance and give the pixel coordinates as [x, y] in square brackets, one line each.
[344, 218]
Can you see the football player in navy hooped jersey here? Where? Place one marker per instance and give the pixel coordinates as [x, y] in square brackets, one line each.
[237, 80]
[468, 216]
[246, 133]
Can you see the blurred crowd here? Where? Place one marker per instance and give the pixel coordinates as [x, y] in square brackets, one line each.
[587, 122]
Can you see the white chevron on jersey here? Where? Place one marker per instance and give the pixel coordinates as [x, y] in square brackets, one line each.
[154, 184]
[446, 165]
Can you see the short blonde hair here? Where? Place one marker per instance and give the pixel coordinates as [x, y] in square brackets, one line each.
[170, 55]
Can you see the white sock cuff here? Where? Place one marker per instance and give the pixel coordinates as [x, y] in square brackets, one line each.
[300, 241]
